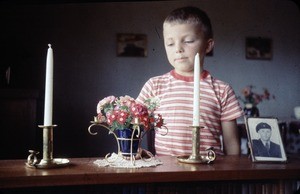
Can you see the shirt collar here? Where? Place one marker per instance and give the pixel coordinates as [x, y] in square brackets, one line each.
[204, 75]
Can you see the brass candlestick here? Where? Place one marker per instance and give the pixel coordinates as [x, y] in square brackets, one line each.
[48, 161]
[196, 157]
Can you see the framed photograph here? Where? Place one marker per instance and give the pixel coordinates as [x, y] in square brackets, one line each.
[258, 48]
[265, 141]
[131, 45]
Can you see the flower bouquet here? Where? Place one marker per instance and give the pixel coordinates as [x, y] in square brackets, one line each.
[127, 119]
[252, 99]
[121, 112]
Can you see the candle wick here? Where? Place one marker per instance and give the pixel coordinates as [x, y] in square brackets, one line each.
[49, 45]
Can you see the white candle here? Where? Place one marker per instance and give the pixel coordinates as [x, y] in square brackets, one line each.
[196, 104]
[49, 88]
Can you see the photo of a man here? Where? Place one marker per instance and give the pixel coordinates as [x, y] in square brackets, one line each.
[263, 146]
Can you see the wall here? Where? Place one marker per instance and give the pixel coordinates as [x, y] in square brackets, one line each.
[87, 69]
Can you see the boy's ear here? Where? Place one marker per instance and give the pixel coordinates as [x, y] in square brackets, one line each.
[210, 45]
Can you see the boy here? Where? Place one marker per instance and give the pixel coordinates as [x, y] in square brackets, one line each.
[187, 31]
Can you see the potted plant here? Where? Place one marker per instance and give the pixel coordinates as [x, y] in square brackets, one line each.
[122, 114]
[252, 99]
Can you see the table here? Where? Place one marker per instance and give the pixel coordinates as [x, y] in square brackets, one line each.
[236, 173]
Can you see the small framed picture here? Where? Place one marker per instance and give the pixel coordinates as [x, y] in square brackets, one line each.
[265, 141]
[258, 48]
[131, 45]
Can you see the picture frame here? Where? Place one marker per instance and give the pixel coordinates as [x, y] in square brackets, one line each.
[131, 45]
[258, 48]
[261, 130]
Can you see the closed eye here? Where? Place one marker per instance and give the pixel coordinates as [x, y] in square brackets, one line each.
[189, 41]
[170, 44]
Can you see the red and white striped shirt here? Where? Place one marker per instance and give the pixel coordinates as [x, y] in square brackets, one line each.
[217, 103]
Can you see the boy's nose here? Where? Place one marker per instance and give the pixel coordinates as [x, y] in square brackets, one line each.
[179, 49]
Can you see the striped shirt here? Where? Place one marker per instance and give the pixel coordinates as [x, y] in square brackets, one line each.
[217, 103]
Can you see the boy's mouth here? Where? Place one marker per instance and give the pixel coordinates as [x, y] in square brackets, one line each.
[180, 59]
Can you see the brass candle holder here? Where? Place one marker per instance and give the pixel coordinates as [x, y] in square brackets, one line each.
[195, 157]
[48, 161]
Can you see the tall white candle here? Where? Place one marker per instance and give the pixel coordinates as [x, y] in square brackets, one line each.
[49, 88]
[196, 104]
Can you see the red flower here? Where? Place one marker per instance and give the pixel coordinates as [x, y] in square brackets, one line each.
[120, 113]
[138, 110]
[122, 117]
[111, 118]
[253, 98]
[159, 121]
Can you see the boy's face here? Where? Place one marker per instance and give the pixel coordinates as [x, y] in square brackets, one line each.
[182, 42]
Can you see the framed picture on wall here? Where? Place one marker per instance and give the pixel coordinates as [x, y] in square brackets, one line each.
[131, 45]
[258, 48]
[265, 141]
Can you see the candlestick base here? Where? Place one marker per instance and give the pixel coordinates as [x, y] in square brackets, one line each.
[198, 159]
[48, 161]
[54, 163]
[195, 157]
